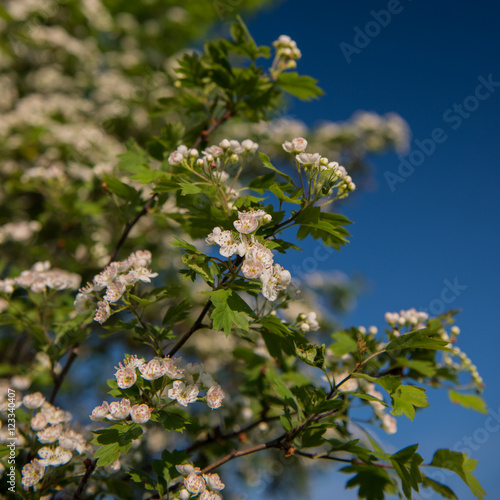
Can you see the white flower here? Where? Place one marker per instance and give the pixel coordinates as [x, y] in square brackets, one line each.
[252, 268]
[194, 483]
[56, 457]
[153, 369]
[82, 302]
[126, 377]
[389, 424]
[213, 482]
[308, 158]
[34, 400]
[141, 258]
[229, 244]
[182, 393]
[186, 469]
[262, 254]
[224, 144]
[214, 151]
[215, 395]
[140, 414]
[119, 410]
[71, 440]
[184, 494]
[210, 239]
[210, 495]
[105, 278]
[298, 145]
[99, 412]
[32, 473]
[235, 147]
[143, 274]
[55, 415]
[250, 146]
[114, 291]
[246, 224]
[172, 370]
[38, 422]
[49, 434]
[103, 312]
[274, 280]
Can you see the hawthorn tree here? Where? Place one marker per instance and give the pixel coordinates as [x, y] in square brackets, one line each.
[167, 265]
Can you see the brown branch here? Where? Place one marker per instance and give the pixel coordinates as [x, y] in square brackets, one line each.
[196, 326]
[59, 379]
[90, 465]
[203, 137]
[217, 436]
[128, 227]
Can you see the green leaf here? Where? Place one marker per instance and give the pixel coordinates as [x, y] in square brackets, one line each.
[267, 163]
[419, 339]
[389, 382]
[405, 398]
[372, 481]
[229, 309]
[121, 189]
[301, 86]
[461, 465]
[442, 489]
[468, 401]
[199, 264]
[426, 368]
[275, 189]
[190, 188]
[313, 355]
[180, 243]
[344, 344]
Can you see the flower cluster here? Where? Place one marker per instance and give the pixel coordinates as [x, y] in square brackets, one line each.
[195, 483]
[117, 278]
[186, 382]
[286, 54]
[464, 362]
[49, 424]
[410, 318]
[308, 322]
[314, 164]
[214, 161]
[40, 277]
[19, 231]
[258, 259]
[389, 423]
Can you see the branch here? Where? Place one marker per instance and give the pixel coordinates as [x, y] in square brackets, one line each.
[59, 379]
[90, 465]
[204, 137]
[218, 437]
[128, 227]
[196, 326]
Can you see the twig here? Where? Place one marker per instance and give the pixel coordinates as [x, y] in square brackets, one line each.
[90, 465]
[203, 137]
[59, 379]
[128, 227]
[196, 326]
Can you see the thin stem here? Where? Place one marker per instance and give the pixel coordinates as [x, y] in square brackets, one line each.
[58, 380]
[204, 136]
[90, 465]
[196, 326]
[129, 226]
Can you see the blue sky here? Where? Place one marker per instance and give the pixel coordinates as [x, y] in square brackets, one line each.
[441, 223]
